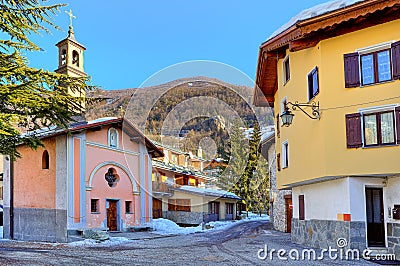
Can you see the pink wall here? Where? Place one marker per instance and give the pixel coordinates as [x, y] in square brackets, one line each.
[35, 187]
[101, 190]
[101, 137]
[123, 191]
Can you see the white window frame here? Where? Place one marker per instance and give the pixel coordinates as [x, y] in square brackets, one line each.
[372, 49]
[110, 131]
[285, 154]
[375, 48]
[284, 70]
[377, 109]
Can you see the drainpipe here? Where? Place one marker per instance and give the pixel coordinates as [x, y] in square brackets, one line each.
[11, 198]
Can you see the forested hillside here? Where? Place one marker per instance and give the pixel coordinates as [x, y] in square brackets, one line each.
[194, 108]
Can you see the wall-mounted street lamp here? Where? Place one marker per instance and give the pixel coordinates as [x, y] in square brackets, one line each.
[287, 116]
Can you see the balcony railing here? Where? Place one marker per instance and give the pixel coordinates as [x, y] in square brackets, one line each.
[160, 187]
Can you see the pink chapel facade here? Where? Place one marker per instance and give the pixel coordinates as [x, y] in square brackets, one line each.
[96, 174]
[99, 176]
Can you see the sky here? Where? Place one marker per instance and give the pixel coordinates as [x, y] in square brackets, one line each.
[128, 41]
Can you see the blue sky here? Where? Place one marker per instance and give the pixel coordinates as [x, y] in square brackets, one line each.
[127, 41]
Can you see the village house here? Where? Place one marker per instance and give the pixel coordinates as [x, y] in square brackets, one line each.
[95, 175]
[331, 74]
[184, 193]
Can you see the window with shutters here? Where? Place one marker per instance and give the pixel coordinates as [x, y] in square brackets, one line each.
[371, 128]
[229, 208]
[180, 205]
[379, 129]
[213, 207]
[376, 67]
[301, 207]
[286, 70]
[371, 65]
[313, 86]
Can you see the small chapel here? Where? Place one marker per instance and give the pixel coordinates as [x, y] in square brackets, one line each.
[96, 174]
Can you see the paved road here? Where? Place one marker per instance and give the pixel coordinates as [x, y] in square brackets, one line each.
[238, 245]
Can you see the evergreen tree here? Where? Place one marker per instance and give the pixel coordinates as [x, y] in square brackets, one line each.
[232, 177]
[30, 98]
[247, 172]
[252, 162]
[260, 186]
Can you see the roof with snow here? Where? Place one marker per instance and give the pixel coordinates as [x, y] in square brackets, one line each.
[180, 169]
[129, 128]
[267, 136]
[208, 192]
[314, 12]
[309, 28]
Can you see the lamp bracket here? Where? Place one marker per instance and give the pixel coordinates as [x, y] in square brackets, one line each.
[313, 105]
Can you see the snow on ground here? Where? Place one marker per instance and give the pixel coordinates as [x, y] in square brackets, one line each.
[219, 225]
[255, 217]
[167, 227]
[113, 241]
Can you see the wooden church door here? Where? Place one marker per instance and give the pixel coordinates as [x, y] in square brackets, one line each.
[112, 215]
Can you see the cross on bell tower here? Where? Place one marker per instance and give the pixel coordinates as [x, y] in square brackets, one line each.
[70, 53]
[70, 56]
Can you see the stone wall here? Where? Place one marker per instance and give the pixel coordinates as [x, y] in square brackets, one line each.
[193, 218]
[37, 224]
[324, 234]
[277, 207]
[393, 238]
[278, 210]
[358, 235]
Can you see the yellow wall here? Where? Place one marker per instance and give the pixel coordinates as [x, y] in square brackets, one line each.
[317, 148]
[200, 203]
[196, 201]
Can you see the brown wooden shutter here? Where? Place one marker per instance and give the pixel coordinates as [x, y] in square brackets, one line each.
[301, 207]
[351, 70]
[397, 115]
[353, 130]
[278, 161]
[396, 60]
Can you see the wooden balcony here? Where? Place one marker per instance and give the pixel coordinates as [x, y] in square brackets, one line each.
[160, 187]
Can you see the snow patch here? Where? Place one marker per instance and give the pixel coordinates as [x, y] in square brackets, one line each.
[113, 241]
[163, 226]
[255, 217]
[167, 227]
[314, 12]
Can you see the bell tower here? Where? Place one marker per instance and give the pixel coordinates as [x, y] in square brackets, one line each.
[70, 56]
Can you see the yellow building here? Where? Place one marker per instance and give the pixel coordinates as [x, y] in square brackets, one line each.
[340, 63]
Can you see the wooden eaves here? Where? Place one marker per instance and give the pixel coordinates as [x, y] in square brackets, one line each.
[309, 32]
